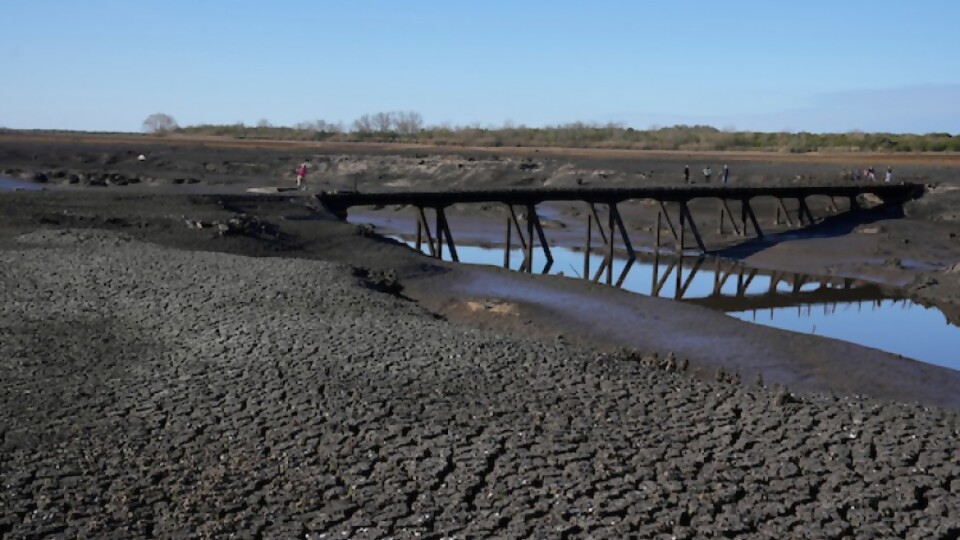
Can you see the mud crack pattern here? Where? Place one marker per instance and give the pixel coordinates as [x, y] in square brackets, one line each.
[151, 392]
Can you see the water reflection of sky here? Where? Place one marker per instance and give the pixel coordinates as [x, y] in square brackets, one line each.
[11, 184]
[898, 326]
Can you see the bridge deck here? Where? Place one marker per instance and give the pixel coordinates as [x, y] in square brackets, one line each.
[522, 197]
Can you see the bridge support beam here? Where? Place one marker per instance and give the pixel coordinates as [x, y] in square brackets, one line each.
[435, 244]
[786, 213]
[526, 240]
[663, 215]
[424, 226]
[535, 219]
[614, 225]
[746, 211]
[803, 212]
[515, 223]
[725, 211]
[685, 215]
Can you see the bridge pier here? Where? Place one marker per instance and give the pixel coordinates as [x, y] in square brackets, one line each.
[435, 245]
[526, 241]
[614, 225]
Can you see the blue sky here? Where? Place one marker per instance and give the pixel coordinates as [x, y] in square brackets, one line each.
[814, 65]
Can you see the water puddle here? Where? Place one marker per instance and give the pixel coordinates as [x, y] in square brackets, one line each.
[847, 309]
[12, 184]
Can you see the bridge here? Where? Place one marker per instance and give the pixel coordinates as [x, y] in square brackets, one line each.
[673, 215]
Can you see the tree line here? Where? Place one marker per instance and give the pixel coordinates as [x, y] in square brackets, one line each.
[409, 127]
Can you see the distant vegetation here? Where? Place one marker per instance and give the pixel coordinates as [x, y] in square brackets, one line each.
[408, 127]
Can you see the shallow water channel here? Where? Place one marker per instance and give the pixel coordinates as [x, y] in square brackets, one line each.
[851, 310]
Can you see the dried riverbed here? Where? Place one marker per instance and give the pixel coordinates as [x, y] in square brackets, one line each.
[295, 376]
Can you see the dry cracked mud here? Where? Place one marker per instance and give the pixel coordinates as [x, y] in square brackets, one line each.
[156, 392]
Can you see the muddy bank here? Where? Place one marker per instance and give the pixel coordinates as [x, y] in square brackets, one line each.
[293, 227]
[919, 253]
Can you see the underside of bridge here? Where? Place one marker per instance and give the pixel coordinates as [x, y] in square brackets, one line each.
[673, 218]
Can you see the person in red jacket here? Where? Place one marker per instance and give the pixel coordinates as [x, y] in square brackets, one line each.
[301, 174]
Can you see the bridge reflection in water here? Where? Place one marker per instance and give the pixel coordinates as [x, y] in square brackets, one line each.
[721, 284]
[847, 309]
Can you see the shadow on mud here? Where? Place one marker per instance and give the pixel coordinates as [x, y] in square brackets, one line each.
[830, 227]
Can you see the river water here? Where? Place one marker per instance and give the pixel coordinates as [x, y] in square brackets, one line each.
[850, 310]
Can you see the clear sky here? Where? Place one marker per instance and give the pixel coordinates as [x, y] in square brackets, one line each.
[816, 65]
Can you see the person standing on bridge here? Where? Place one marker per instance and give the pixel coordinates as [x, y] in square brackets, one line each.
[707, 173]
[889, 176]
[725, 175]
[686, 174]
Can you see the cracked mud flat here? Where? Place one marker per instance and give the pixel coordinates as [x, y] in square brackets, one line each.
[182, 391]
[156, 392]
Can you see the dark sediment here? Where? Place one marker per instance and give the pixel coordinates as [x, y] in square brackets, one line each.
[154, 391]
[180, 366]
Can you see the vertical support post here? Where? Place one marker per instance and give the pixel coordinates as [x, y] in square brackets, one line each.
[506, 250]
[529, 238]
[716, 275]
[743, 217]
[610, 219]
[653, 275]
[419, 234]
[659, 226]
[680, 245]
[678, 286]
[631, 255]
[586, 253]
[439, 230]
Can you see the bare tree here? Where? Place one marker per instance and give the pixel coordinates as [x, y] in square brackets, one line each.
[408, 123]
[264, 123]
[159, 124]
[364, 124]
[383, 121]
[320, 126]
